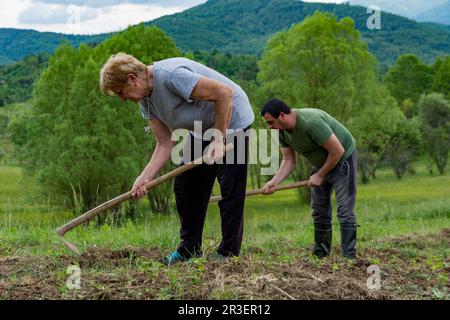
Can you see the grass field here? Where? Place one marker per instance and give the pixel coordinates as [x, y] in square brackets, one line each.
[405, 230]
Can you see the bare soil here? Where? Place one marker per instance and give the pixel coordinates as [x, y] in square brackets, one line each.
[409, 269]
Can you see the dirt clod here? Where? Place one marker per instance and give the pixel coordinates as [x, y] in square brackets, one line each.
[134, 273]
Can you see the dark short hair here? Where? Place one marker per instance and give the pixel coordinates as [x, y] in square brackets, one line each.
[274, 107]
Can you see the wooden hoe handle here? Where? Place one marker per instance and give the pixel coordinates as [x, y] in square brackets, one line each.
[126, 196]
[260, 191]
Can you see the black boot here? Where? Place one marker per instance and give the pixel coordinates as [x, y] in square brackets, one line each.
[348, 240]
[322, 240]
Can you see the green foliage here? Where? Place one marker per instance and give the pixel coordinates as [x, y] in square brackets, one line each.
[370, 128]
[147, 45]
[237, 26]
[408, 78]
[17, 80]
[17, 44]
[435, 125]
[441, 81]
[244, 27]
[409, 108]
[28, 227]
[73, 137]
[384, 134]
[403, 145]
[320, 63]
[238, 67]
[4, 120]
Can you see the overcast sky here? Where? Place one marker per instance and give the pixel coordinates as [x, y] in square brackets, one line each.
[89, 16]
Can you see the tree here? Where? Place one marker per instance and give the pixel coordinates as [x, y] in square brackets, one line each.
[4, 120]
[403, 144]
[409, 108]
[441, 80]
[236, 67]
[320, 63]
[82, 146]
[370, 129]
[17, 80]
[408, 78]
[254, 170]
[435, 125]
[147, 45]
[2, 153]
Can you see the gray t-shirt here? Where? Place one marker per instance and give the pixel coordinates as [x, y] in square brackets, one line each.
[173, 82]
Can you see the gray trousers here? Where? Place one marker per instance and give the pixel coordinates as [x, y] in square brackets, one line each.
[342, 179]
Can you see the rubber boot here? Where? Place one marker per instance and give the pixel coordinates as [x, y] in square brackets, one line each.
[348, 240]
[322, 240]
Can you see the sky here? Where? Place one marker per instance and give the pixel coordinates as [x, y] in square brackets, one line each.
[89, 16]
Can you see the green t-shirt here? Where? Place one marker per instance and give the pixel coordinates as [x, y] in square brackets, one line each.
[312, 128]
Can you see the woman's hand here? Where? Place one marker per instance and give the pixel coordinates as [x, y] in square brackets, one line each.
[139, 190]
[269, 187]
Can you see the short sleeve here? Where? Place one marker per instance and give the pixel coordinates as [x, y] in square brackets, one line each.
[319, 131]
[282, 140]
[182, 82]
[146, 111]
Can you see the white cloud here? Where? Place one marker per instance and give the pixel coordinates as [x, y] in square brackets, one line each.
[85, 16]
[54, 14]
[105, 3]
[326, 1]
[119, 17]
[9, 11]
[95, 16]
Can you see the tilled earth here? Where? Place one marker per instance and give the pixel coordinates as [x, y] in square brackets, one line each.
[408, 269]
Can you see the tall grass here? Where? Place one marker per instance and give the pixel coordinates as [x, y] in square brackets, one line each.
[385, 207]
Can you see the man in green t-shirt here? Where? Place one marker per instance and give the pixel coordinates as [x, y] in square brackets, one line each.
[330, 148]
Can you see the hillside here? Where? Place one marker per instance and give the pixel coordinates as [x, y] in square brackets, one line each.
[17, 79]
[17, 44]
[244, 26]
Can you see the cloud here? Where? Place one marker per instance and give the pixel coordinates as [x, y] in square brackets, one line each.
[85, 16]
[107, 3]
[55, 14]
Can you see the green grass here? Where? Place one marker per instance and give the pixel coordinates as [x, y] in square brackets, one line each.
[401, 231]
[385, 207]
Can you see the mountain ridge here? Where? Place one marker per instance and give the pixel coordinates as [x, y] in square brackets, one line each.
[244, 27]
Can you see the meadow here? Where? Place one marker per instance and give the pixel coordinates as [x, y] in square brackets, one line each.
[404, 230]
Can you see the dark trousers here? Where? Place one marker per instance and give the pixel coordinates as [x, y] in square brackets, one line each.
[342, 179]
[192, 192]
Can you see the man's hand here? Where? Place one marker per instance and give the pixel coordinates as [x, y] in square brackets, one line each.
[139, 190]
[315, 180]
[269, 187]
[216, 151]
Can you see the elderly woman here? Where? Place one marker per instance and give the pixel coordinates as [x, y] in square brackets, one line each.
[172, 94]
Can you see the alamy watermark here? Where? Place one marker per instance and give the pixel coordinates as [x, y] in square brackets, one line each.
[263, 146]
[374, 281]
[374, 20]
[74, 19]
[74, 280]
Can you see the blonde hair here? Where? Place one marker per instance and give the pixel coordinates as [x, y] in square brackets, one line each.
[115, 71]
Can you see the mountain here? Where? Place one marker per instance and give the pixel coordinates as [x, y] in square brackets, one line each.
[437, 26]
[237, 26]
[244, 27]
[16, 44]
[437, 11]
